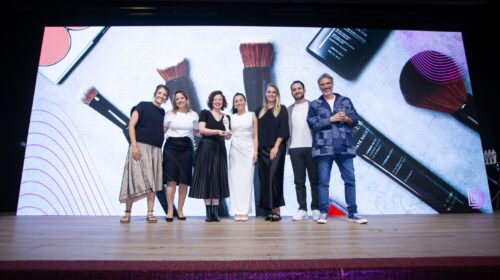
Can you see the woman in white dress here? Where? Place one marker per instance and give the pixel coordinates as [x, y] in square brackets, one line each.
[242, 158]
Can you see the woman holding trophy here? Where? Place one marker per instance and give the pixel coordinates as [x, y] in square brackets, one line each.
[210, 179]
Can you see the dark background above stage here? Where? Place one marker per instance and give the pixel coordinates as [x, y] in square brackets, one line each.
[23, 23]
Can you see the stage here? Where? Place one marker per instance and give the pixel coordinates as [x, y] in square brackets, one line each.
[387, 244]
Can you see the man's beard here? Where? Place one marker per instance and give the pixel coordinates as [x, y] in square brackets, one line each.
[298, 97]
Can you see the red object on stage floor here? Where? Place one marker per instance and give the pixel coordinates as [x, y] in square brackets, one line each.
[333, 211]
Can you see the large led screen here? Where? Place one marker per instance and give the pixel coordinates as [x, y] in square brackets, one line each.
[418, 146]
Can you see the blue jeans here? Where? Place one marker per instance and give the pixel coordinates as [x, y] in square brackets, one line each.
[346, 168]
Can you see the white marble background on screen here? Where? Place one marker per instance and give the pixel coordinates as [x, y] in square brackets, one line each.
[122, 66]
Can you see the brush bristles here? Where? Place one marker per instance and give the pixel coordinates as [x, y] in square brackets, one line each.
[432, 80]
[174, 72]
[256, 54]
[89, 95]
[447, 98]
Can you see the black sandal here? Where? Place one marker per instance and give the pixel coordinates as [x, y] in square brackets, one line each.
[268, 217]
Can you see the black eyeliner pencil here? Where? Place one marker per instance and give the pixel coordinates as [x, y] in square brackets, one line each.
[387, 157]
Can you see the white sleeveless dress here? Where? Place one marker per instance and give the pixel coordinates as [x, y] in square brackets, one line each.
[241, 167]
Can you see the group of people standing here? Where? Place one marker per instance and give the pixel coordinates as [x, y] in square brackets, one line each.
[316, 133]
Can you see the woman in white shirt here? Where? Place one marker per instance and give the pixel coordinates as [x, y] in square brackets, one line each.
[181, 124]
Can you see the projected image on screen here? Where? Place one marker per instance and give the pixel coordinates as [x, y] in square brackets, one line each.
[418, 146]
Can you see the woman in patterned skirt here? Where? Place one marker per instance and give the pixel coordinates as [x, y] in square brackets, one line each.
[142, 176]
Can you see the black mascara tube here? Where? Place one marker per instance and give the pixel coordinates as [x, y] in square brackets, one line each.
[387, 157]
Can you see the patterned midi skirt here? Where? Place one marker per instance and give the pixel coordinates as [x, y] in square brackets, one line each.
[142, 176]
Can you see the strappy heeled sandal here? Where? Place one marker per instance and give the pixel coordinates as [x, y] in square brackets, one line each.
[150, 217]
[126, 218]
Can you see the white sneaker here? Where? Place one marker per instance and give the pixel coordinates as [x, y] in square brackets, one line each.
[355, 218]
[316, 213]
[322, 219]
[301, 215]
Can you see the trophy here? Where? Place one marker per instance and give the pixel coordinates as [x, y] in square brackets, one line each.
[225, 121]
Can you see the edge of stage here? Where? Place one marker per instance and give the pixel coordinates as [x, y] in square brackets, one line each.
[79, 247]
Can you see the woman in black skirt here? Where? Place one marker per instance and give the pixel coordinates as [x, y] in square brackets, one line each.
[181, 124]
[273, 132]
[210, 180]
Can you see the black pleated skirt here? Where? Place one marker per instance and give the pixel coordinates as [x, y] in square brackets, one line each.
[271, 174]
[178, 160]
[210, 179]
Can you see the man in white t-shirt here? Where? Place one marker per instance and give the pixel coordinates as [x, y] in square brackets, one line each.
[300, 143]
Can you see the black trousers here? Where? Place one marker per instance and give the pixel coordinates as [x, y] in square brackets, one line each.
[302, 160]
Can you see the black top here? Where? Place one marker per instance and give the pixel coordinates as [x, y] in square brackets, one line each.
[149, 127]
[211, 123]
[271, 128]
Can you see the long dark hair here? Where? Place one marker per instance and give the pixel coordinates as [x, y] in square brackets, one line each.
[234, 110]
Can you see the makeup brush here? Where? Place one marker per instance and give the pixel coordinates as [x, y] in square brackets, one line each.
[432, 80]
[176, 78]
[257, 59]
[99, 103]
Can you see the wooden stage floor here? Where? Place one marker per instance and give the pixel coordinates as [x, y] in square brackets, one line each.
[385, 236]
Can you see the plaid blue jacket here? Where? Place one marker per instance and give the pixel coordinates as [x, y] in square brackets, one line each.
[331, 138]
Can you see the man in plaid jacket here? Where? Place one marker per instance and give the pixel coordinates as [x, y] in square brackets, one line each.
[331, 118]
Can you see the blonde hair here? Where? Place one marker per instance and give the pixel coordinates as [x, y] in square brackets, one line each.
[277, 105]
[174, 104]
